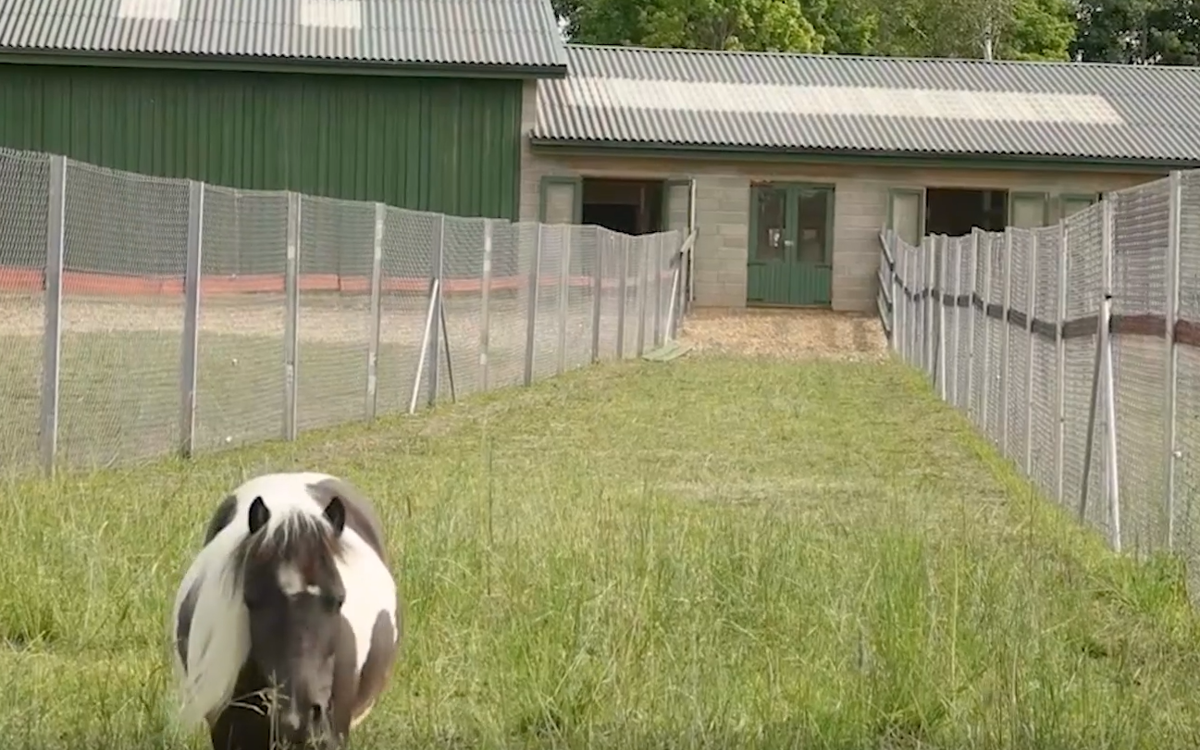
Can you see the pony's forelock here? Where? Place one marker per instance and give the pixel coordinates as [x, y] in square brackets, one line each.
[219, 641]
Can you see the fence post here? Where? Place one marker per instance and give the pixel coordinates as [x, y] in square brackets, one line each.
[56, 224]
[939, 246]
[986, 374]
[1172, 318]
[564, 288]
[622, 294]
[927, 269]
[658, 288]
[602, 242]
[531, 313]
[956, 320]
[291, 320]
[375, 313]
[485, 293]
[974, 295]
[1110, 401]
[1060, 397]
[436, 290]
[902, 263]
[1005, 356]
[190, 346]
[643, 292]
[894, 271]
[1031, 302]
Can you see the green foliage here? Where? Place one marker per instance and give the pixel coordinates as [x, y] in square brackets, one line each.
[1165, 32]
[1020, 29]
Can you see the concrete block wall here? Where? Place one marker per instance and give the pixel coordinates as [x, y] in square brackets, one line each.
[861, 194]
[723, 223]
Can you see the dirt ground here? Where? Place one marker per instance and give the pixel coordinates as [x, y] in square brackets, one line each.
[790, 334]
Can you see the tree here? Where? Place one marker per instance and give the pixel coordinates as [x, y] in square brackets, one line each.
[763, 25]
[1163, 32]
[1018, 29]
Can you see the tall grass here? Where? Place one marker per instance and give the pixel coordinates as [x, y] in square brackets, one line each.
[714, 553]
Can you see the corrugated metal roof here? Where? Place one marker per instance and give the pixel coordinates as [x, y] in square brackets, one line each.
[434, 32]
[872, 104]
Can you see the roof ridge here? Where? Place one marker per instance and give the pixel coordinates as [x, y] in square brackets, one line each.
[886, 59]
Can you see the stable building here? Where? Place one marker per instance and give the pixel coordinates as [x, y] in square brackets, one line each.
[417, 103]
[792, 164]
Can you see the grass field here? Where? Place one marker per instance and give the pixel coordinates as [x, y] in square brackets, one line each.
[716, 552]
[119, 388]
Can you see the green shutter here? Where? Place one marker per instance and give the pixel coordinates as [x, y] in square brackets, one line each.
[906, 213]
[677, 205]
[1028, 210]
[561, 200]
[1070, 203]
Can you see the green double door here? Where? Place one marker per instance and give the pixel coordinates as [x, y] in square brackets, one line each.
[791, 245]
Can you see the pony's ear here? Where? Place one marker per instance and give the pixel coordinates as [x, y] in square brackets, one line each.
[335, 513]
[259, 515]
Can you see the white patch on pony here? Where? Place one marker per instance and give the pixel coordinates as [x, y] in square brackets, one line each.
[219, 639]
[370, 589]
[293, 583]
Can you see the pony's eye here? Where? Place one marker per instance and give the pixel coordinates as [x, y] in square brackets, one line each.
[332, 601]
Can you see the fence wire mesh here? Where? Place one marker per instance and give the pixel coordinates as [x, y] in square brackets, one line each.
[1063, 346]
[311, 311]
[23, 191]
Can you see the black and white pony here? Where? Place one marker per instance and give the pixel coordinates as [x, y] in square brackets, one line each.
[285, 625]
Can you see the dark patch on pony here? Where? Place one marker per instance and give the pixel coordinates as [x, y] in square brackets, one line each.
[221, 518]
[360, 513]
[183, 625]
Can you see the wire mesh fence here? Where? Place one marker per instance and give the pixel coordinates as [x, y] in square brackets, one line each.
[1075, 349]
[144, 316]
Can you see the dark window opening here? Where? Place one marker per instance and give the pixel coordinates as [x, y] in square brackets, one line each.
[954, 212]
[629, 206]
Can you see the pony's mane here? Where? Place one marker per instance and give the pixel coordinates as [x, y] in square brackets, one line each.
[219, 643]
[297, 536]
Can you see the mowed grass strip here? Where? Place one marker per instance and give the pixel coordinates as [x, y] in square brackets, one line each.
[715, 552]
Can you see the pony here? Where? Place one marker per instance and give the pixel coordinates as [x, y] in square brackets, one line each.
[285, 625]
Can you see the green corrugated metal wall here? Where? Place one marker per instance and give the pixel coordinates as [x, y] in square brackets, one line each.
[447, 145]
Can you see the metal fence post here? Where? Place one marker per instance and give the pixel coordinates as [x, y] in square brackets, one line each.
[897, 298]
[973, 276]
[564, 288]
[291, 320]
[1172, 318]
[531, 313]
[642, 293]
[437, 331]
[939, 245]
[190, 346]
[956, 321]
[1031, 302]
[622, 293]
[986, 374]
[1060, 398]
[56, 219]
[372, 396]
[602, 238]
[485, 292]
[1110, 401]
[927, 264]
[658, 288]
[902, 262]
[1005, 340]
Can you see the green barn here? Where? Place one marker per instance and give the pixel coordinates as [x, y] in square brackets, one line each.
[416, 103]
